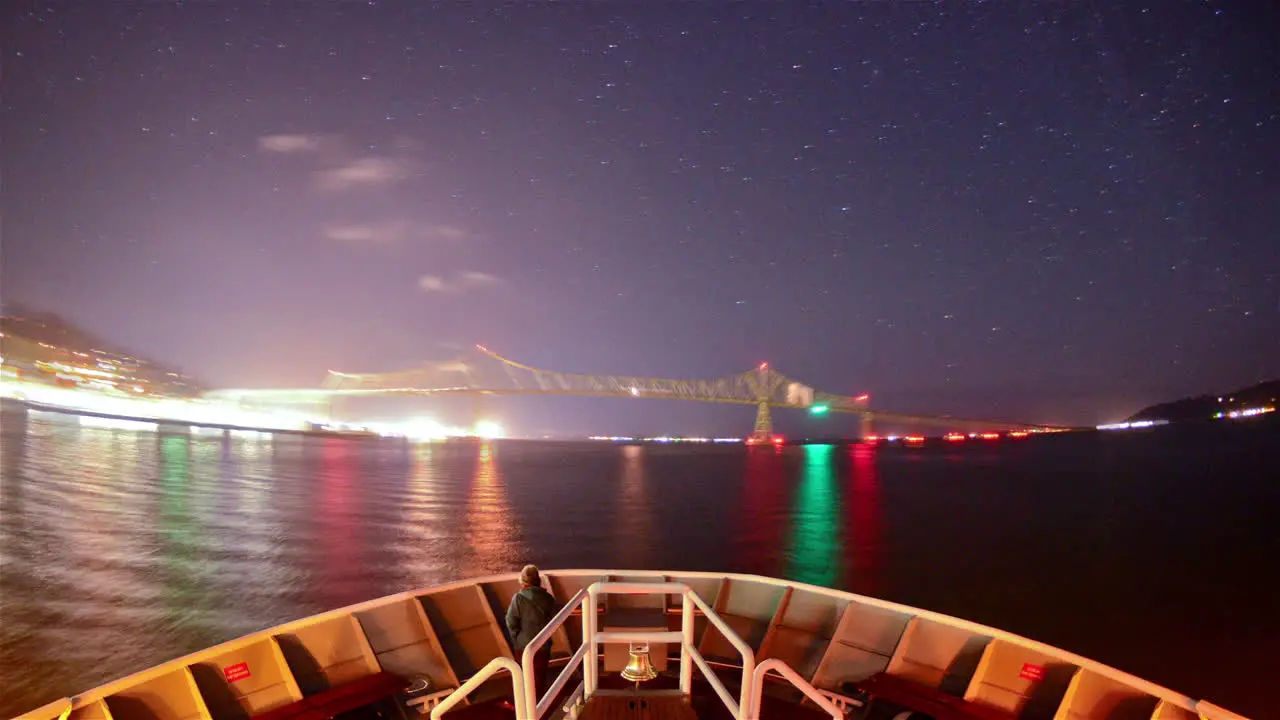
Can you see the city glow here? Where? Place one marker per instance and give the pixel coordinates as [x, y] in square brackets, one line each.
[489, 430]
[147, 408]
[139, 412]
[425, 429]
[418, 429]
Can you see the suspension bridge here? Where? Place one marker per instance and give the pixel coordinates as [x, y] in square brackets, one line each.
[484, 372]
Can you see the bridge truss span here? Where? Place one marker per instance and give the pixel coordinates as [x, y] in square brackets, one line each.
[484, 372]
[492, 373]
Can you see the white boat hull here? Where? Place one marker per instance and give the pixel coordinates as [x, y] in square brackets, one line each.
[832, 639]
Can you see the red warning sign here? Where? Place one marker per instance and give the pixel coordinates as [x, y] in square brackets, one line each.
[240, 671]
[1031, 672]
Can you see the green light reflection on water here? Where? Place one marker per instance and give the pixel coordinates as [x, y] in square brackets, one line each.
[179, 540]
[813, 555]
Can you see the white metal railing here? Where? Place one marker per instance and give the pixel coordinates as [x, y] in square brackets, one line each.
[532, 701]
[592, 637]
[844, 703]
[573, 704]
[748, 657]
[495, 666]
[793, 677]
[531, 707]
[424, 703]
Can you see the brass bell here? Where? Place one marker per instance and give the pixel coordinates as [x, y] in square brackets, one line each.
[638, 668]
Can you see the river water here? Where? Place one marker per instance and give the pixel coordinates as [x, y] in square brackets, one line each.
[1155, 552]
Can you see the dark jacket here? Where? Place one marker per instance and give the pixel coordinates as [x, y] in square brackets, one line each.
[531, 609]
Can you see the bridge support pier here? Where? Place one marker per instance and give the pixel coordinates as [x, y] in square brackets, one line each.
[865, 430]
[763, 431]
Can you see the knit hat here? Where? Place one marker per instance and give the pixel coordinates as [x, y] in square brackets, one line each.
[529, 576]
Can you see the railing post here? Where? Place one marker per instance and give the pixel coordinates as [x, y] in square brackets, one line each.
[686, 662]
[495, 665]
[590, 663]
[530, 689]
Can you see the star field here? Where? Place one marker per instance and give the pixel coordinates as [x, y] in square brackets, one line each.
[1042, 212]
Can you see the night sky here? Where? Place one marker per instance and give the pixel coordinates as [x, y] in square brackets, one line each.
[1037, 211]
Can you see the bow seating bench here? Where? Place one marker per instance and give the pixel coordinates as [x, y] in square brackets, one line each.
[924, 699]
[344, 698]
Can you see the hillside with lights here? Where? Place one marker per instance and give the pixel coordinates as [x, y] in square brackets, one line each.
[1252, 401]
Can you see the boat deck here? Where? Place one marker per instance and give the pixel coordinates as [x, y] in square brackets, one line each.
[703, 705]
[643, 705]
[652, 707]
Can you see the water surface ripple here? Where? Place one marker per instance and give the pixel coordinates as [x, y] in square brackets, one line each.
[121, 549]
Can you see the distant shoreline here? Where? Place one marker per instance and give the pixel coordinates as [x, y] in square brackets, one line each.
[1209, 407]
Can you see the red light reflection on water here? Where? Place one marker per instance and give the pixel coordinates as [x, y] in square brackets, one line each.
[763, 514]
[338, 526]
[864, 529]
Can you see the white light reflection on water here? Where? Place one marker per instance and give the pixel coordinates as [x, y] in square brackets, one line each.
[491, 533]
[634, 512]
[423, 534]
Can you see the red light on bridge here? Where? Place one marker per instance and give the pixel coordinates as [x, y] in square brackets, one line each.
[764, 366]
[914, 439]
[863, 397]
[1018, 434]
[990, 436]
[954, 437]
[871, 439]
[482, 348]
[777, 440]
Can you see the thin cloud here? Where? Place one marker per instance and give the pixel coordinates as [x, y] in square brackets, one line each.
[444, 232]
[390, 231]
[284, 143]
[354, 233]
[472, 277]
[363, 172]
[465, 281]
[432, 283]
[337, 166]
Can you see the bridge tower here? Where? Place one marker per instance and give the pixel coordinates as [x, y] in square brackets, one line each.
[763, 431]
[763, 386]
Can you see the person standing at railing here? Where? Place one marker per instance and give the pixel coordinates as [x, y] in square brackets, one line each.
[530, 611]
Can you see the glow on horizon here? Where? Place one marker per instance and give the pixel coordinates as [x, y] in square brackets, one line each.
[489, 430]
